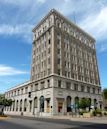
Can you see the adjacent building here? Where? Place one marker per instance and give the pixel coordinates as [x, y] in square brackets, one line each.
[64, 69]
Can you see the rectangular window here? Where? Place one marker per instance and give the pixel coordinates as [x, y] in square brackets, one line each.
[82, 88]
[58, 71]
[26, 89]
[59, 83]
[88, 89]
[93, 90]
[22, 91]
[58, 51]
[76, 87]
[31, 88]
[36, 87]
[49, 41]
[68, 85]
[48, 50]
[49, 61]
[48, 83]
[49, 71]
[29, 95]
[18, 92]
[42, 85]
[58, 61]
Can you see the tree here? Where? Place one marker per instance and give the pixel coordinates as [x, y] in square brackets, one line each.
[84, 103]
[4, 102]
[105, 93]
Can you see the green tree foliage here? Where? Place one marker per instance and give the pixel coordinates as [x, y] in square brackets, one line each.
[105, 93]
[84, 103]
[4, 101]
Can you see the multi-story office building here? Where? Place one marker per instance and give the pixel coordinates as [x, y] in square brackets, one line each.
[64, 69]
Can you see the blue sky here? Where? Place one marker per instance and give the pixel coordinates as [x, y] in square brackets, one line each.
[18, 17]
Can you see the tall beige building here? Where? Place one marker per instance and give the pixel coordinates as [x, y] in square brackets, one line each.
[64, 69]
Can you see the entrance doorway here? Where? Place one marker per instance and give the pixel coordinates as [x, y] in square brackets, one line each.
[60, 105]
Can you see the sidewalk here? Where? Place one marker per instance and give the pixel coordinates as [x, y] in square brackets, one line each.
[82, 119]
[70, 118]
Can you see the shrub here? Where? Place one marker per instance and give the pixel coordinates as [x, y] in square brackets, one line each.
[105, 113]
[97, 112]
[82, 112]
[94, 113]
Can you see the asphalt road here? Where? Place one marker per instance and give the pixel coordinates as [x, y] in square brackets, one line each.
[42, 123]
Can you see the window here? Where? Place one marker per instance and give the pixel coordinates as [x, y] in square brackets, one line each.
[99, 90]
[26, 89]
[36, 87]
[48, 83]
[58, 71]
[42, 85]
[68, 85]
[88, 89]
[48, 50]
[93, 90]
[65, 73]
[22, 91]
[68, 74]
[29, 95]
[59, 83]
[18, 92]
[58, 50]
[49, 71]
[82, 88]
[44, 73]
[49, 41]
[49, 61]
[31, 88]
[58, 42]
[15, 93]
[58, 61]
[76, 87]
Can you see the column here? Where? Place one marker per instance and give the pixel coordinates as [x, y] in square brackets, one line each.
[65, 106]
[45, 105]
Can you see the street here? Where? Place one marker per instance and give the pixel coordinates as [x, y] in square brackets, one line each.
[47, 123]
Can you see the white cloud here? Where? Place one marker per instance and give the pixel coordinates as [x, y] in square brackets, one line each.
[18, 29]
[89, 14]
[41, 1]
[9, 71]
[23, 30]
[96, 24]
[22, 2]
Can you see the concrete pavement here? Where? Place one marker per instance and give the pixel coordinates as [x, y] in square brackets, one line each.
[53, 123]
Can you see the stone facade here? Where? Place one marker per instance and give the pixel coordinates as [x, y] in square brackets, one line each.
[64, 69]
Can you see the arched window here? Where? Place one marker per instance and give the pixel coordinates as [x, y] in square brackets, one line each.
[76, 102]
[25, 105]
[21, 105]
[68, 103]
[42, 104]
